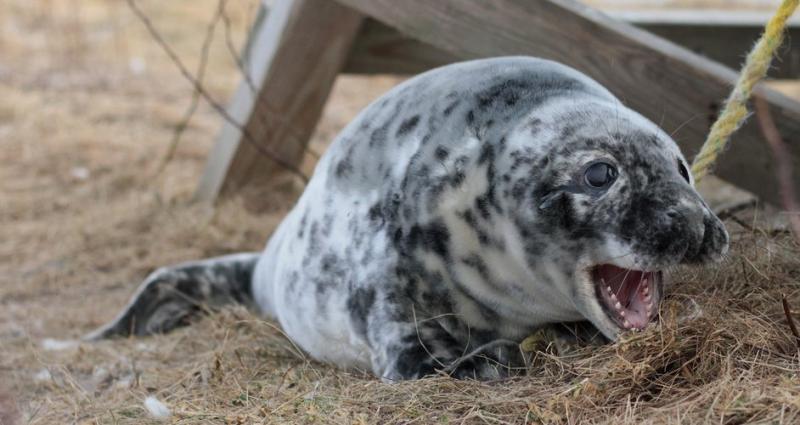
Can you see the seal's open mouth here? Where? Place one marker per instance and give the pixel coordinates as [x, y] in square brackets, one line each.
[629, 297]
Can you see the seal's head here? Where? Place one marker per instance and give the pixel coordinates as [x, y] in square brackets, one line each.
[617, 191]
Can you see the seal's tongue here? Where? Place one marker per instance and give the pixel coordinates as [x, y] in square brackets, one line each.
[627, 294]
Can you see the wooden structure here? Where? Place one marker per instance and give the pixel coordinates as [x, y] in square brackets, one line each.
[302, 45]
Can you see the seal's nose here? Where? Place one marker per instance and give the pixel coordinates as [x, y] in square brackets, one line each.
[678, 229]
[713, 244]
[702, 233]
[672, 224]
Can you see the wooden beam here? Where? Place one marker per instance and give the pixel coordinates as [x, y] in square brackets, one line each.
[722, 35]
[380, 49]
[665, 82]
[294, 59]
[719, 35]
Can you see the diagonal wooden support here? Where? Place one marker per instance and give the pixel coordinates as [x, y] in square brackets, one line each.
[667, 83]
[718, 35]
[295, 57]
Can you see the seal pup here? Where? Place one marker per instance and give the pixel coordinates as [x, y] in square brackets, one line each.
[454, 216]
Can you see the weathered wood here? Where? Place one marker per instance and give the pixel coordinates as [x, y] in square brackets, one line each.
[295, 57]
[665, 82]
[380, 49]
[725, 36]
[722, 36]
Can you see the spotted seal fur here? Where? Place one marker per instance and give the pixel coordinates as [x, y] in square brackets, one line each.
[458, 213]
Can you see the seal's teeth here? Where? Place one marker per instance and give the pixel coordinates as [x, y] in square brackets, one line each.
[647, 299]
[608, 288]
[622, 313]
[627, 324]
[613, 297]
[646, 290]
[618, 306]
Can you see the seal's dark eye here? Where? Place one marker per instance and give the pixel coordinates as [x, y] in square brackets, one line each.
[600, 175]
[684, 172]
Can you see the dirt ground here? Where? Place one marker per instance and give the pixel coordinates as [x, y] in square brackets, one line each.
[88, 105]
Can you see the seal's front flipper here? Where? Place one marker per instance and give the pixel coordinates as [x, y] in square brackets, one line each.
[171, 296]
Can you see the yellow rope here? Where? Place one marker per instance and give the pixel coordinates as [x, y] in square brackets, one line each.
[753, 71]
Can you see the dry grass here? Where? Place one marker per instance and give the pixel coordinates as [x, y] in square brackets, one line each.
[87, 105]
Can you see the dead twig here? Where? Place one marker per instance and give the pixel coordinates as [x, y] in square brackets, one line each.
[233, 51]
[195, 100]
[264, 150]
[789, 318]
[742, 223]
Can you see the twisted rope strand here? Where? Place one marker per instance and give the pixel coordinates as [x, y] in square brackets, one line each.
[735, 111]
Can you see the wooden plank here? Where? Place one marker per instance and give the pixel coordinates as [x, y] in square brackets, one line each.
[380, 49]
[295, 57]
[719, 35]
[708, 17]
[663, 81]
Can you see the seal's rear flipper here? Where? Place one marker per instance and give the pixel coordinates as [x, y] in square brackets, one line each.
[171, 296]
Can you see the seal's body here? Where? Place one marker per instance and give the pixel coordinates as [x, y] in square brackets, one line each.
[457, 214]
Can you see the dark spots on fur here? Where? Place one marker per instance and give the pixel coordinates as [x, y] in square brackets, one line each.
[476, 262]
[433, 237]
[327, 223]
[375, 213]
[482, 205]
[457, 179]
[303, 222]
[470, 118]
[328, 261]
[449, 109]
[534, 126]
[487, 154]
[507, 92]
[313, 246]
[333, 272]
[469, 217]
[359, 305]
[407, 125]
[441, 153]
[378, 136]
[544, 162]
[569, 130]
[520, 189]
[343, 168]
[520, 158]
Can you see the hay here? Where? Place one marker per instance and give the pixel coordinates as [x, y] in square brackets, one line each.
[722, 352]
[82, 221]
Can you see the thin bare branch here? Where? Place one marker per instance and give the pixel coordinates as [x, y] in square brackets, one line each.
[790, 319]
[195, 100]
